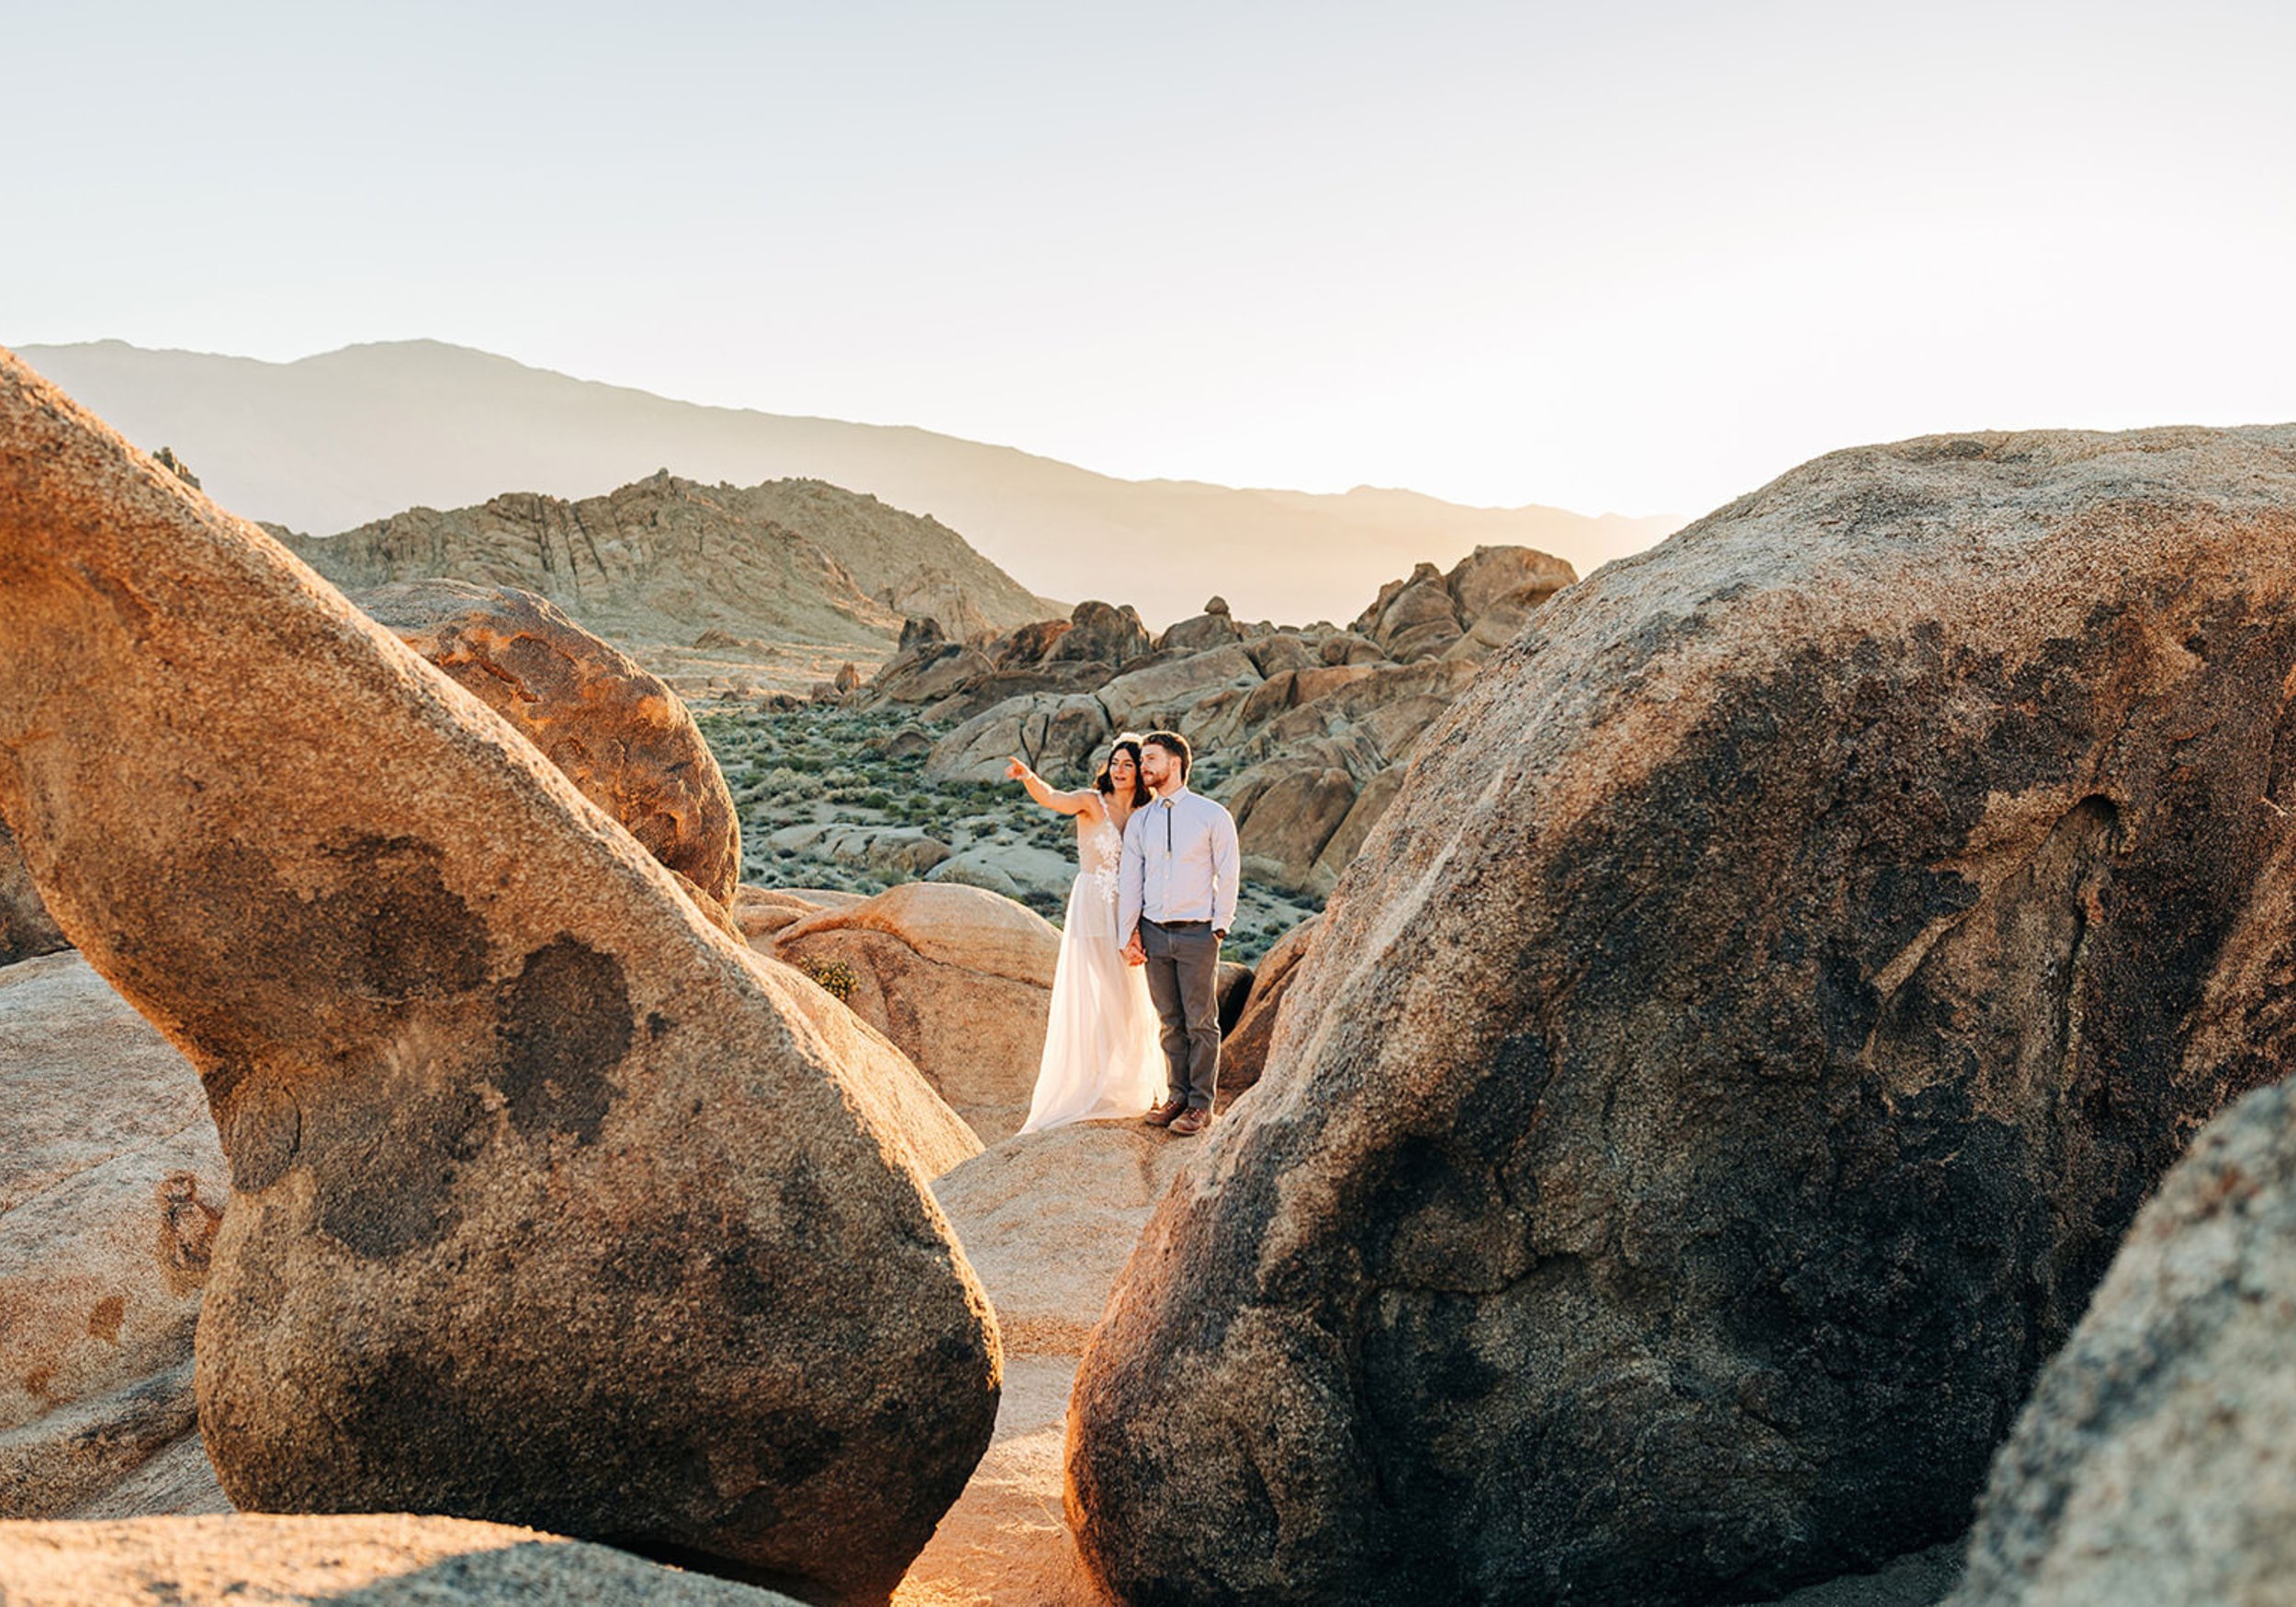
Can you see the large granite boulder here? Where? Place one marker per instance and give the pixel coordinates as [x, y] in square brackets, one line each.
[1726, 1072]
[1346, 647]
[617, 731]
[958, 978]
[1391, 706]
[1282, 650]
[1058, 735]
[25, 926]
[1230, 718]
[1414, 618]
[1160, 693]
[1049, 1220]
[1481, 604]
[2152, 1463]
[1495, 589]
[385, 1561]
[1103, 634]
[760, 912]
[1215, 627]
[1012, 869]
[111, 1189]
[550, 1203]
[1339, 850]
[978, 695]
[1028, 643]
[925, 669]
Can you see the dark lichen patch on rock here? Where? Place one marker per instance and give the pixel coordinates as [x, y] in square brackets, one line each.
[388, 1160]
[405, 935]
[381, 932]
[562, 1025]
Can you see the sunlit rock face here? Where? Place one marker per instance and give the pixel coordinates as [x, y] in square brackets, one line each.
[1730, 1062]
[550, 1202]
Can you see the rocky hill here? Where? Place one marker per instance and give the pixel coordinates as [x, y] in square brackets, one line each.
[335, 440]
[697, 578]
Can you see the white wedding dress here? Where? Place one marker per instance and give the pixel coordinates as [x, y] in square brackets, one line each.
[1103, 1056]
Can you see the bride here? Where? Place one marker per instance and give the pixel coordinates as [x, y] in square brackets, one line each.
[1103, 1058]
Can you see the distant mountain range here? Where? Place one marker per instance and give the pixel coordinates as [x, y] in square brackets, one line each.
[349, 437]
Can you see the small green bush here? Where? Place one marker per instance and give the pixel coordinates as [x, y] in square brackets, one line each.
[836, 978]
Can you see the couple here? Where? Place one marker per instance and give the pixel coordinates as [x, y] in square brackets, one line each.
[1154, 896]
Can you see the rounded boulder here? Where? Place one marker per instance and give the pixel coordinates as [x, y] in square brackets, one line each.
[616, 730]
[1725, 1073]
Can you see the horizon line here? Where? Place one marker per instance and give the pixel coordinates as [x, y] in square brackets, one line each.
[1674, 521]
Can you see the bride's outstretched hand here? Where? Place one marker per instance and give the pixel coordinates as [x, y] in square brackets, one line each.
[1015, 771]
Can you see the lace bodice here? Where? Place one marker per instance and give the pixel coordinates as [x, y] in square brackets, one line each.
[1100, 857]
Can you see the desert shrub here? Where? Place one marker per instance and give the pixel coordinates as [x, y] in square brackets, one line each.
[836, 978]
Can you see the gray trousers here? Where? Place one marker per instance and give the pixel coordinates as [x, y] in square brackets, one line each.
[1184, 980]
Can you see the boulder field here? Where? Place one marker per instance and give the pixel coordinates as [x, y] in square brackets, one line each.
[1726, 1071]
[550, 1204]
[1308, 727]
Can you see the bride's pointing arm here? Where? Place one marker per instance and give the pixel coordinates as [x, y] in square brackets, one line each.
[1059, 802]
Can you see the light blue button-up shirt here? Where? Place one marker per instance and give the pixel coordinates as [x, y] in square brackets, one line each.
[1179, 864]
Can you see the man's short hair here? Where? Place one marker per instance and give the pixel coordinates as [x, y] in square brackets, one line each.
[1173, 743]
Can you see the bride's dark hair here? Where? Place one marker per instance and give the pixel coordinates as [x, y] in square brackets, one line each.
[1128, 743]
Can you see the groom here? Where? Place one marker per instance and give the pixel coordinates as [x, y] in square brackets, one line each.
[1178, 897]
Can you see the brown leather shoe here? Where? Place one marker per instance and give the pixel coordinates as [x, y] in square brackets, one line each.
[1189, 1123]
[1163, 1114]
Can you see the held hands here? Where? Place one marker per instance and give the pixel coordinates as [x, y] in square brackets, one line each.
[1133, 953]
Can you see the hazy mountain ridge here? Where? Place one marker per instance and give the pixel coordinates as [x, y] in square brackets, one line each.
[656, 560]
[343, 438]
[662, 561]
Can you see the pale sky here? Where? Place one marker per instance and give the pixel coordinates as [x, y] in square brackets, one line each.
[1630, 257]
